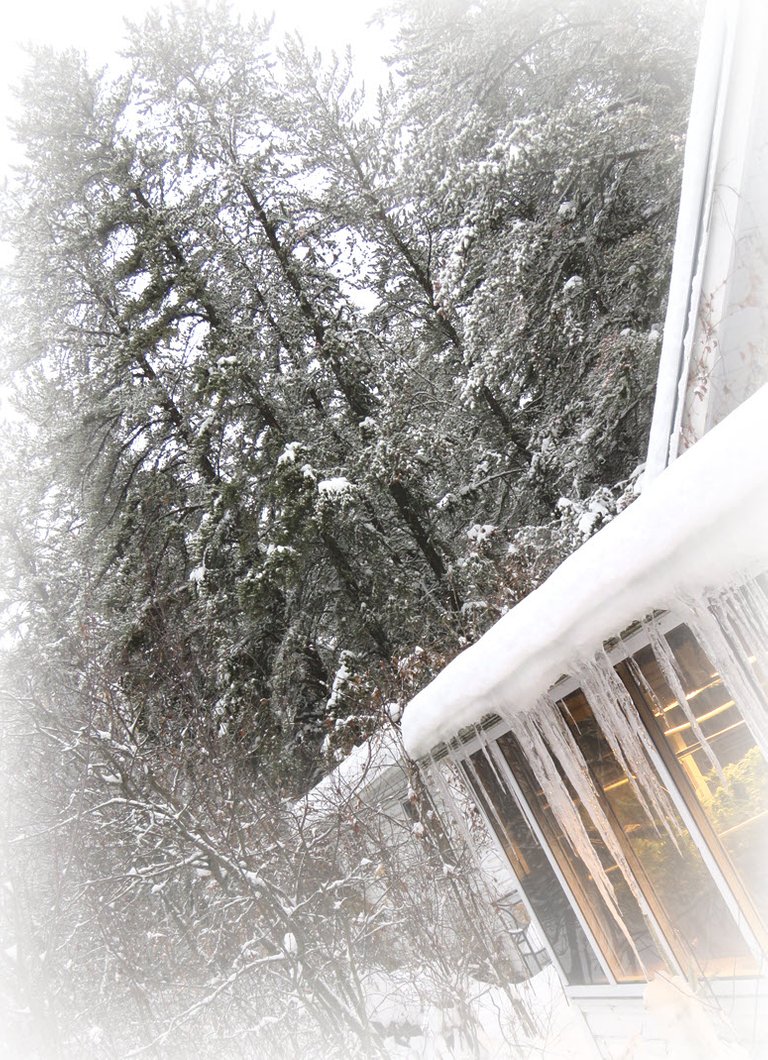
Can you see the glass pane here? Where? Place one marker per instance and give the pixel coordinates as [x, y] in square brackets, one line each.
[733, 790]
[629, 961]
[679, 889]
[536, 876]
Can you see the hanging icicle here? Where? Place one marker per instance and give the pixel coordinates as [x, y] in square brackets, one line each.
[488, 757]
[616, 715]
[559, 738]
[742, 614]
[670, 670]
[566, 814]
[722, 627]
[747, 609]
[433, 779]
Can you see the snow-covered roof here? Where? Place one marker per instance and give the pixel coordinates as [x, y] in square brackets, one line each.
[365, 765]
[698, 525]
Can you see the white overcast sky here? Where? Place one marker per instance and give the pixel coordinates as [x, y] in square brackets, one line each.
[97, 27]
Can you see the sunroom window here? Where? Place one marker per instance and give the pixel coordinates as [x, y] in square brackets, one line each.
[648, 875]
[714, 758]
[535, 875]
[682, 896]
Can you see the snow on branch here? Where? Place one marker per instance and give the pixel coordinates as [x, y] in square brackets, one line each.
[696, 527]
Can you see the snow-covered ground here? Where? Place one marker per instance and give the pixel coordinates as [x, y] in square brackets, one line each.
[561, 1032]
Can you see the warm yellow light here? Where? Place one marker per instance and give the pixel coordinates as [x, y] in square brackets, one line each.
[704, 717]
[697, 691]
[743, 824]
[693, 748]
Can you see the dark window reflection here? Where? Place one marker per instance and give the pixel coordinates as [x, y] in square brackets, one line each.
[536, 876]
[630, 958]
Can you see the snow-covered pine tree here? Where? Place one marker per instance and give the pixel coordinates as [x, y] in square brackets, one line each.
[312, 389]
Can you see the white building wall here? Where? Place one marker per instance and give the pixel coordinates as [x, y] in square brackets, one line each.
[673, 1025]
[714, 351]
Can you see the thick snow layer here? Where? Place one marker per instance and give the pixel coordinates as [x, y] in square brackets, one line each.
[364, 765]
[687, 1023]
[334, 485]
[699, 525]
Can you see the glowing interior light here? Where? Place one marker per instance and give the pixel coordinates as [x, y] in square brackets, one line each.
[743, 824]
[704, 717]
[616, 784]
[692, 695]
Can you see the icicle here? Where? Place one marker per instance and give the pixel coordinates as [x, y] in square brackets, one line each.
[566, 815]
[743, 616]
[448, 802]
[616, 715]
[560, 739]
[671, 672]
[748, 608]
[642, 681]
[490, 759]
[436, 783]
[499, 780]
[716, 637]
[502, 781]
[472, 797]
